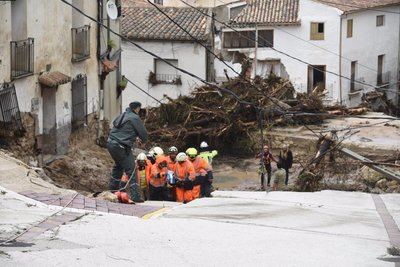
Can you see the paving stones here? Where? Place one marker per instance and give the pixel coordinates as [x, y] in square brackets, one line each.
[49, 224]
[391, 227]
[91, 204]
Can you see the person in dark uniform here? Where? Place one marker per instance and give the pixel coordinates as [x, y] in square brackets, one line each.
[285, 161]
[127, 130]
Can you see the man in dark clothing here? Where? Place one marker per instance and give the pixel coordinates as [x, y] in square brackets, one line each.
[285, 161]
[127, 129]
[267, 158]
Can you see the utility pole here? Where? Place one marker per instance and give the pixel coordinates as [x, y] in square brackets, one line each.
[255, 52]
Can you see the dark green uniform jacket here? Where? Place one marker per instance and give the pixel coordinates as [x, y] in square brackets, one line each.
[127, 127]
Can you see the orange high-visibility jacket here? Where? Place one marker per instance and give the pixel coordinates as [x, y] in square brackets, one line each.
[201, 167]
[184, 169]
[155, 180]
[171, 164]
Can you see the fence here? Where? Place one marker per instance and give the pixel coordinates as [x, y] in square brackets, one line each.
[79, 101]
[169, 78]
[80, 43]
[10, 117]
[22, 58]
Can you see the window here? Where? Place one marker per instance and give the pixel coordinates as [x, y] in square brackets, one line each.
[382, 77]
[22, 58]
[245, 39]
[79, 101]
[10, 118]
[158, 2]
[353, 75]
[349, 28]
[380, 20]
[317, 31]
[80, 43]
[165, 73]
[19, 23]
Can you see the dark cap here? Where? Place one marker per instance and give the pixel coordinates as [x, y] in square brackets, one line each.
[135, 105]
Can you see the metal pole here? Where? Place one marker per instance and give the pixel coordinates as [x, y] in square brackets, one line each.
[255, 52]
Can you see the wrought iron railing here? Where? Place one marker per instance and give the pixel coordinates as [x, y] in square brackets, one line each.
[22, 58]
[383, 78]
[80, 43]
[79, 101]
[169, 78]
[10, 117]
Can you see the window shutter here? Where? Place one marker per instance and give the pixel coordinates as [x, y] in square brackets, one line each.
[349, 28]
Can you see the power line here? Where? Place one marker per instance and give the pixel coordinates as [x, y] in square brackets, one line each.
[211, 52]
[143, 91]
[212, 85]
[279, 51]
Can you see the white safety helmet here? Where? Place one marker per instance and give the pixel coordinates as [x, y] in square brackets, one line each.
[203, 144]
[141, 156]
[181, 157]
[158, 151]
[151, 152]
[173, 149]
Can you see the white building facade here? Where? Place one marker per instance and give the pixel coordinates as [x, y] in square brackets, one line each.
[49, 58]
[151, 29]
[313, 47]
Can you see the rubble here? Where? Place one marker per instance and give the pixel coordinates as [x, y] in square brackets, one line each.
[223, 121]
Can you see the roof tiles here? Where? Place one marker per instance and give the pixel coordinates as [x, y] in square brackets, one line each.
[148, 23]
[353, 5]
[269, 12]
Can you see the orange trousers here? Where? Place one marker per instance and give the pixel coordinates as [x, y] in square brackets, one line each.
[183, 195]
[196, 191]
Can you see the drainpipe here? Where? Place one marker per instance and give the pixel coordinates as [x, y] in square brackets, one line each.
[255, 53]
[340, 62]
[398, 75]
[101, 91]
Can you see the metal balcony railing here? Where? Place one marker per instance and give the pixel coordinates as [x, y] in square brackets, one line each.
[169, 78]
[22, 58]
[383, 78]
[80, 43]
[10, 118]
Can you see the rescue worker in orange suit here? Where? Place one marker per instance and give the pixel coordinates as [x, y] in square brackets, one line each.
[184, 175]
[158, 179]
[143, 171]
[171, 160]
[202, 170]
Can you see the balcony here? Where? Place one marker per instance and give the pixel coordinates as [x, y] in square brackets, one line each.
[383, 79]
[80, 43]
[165, 79]
[22, 58]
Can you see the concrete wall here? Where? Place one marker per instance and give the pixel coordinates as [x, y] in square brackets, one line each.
[50, 26]
[285, 41]
[137, 65]
[367, 43]
[110, 102]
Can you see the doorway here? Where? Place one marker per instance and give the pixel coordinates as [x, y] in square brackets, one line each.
[49, 143]
[316, 78]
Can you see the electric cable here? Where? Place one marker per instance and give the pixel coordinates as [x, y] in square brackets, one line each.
[279, 51]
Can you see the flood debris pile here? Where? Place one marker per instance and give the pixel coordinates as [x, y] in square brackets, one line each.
[220, 118]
